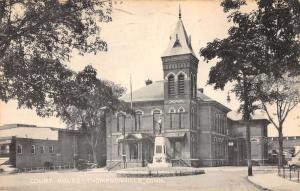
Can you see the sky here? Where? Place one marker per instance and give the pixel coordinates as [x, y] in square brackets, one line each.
[137, 37]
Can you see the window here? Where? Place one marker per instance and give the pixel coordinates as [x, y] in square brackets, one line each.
[19, 149]
[32, 149]
[156, 121]
[118, 123]
[171, 85]
[195, 87]
[51, 149]
[181, 84]
[138, 120]
[172, 114]
[215, 122]
[42, 149]
[119, 149]
[121, 122]
[192, 118]
[192, 86]
[6, 148]
[181, 112]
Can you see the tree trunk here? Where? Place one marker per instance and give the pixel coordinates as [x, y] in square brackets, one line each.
[248, 145]
[247, 118]
[280, 147]
[94, 153]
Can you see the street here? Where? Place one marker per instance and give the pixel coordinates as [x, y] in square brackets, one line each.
[227, 180]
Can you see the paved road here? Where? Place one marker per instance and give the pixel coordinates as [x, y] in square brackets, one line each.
[73, 181]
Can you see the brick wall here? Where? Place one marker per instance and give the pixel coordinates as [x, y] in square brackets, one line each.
[27, 159]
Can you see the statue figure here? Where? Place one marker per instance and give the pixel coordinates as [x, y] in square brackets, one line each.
[160, 125]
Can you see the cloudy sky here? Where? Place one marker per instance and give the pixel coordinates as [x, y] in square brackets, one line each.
[137, 37]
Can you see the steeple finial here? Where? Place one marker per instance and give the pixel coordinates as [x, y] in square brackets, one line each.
[179, 12]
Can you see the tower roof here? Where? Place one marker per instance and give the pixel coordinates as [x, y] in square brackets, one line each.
[179, 43]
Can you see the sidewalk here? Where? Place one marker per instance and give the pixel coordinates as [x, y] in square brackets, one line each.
[273, 182]
[240, 168]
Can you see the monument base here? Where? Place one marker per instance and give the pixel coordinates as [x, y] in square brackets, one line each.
[160, 153]
[159, 165]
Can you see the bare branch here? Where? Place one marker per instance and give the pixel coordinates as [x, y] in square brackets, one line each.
[269, 116]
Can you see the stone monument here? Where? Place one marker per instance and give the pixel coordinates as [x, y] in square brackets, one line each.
[160, 150]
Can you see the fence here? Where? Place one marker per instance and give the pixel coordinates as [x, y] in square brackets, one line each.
[292, 174]
[44, 169]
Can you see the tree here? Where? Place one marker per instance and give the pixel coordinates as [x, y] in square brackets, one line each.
[237, 63]
[263, 41]
[279, 95]
[36, 41]
[85, 105]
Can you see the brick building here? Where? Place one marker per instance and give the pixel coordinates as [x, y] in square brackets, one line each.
[197, 127]
[289, 143]
[28, 146]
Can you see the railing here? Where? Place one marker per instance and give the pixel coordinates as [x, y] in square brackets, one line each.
[44, 169]
[179, 162]
[292, 174]
[113, 165]
[184, 163]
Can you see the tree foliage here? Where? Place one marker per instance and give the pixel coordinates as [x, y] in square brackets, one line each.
[262, 41]
[85, 103]
[36, 41]
[278, 97]
[282, 93]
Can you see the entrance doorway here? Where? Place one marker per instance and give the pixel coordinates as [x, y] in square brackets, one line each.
[177, 149]
[133, 151]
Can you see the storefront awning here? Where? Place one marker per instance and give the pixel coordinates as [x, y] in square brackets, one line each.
[175, 135]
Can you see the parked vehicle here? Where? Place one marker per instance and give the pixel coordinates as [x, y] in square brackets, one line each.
[295, 162]
[85, 164]
[8, 169]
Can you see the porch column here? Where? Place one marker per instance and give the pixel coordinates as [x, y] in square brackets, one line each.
[140, 150]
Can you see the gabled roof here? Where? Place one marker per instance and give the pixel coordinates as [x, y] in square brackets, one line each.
[155, 92]
[205, 99]
[179, 43]
[151, 92]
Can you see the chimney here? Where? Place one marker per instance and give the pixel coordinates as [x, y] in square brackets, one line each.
[200, 90]
[148, 82]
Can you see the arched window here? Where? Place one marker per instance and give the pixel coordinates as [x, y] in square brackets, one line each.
[181, 113]
[195, 86]
[138, 120]
[181, 84]
[172, 115]
[193, 145]
[171, 85]
[192, 86]
[156, 121]
[121, 122]
[192, 118]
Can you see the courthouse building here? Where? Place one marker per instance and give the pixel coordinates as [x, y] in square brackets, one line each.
[197, 127]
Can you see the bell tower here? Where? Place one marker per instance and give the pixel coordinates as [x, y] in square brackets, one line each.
[180, 66]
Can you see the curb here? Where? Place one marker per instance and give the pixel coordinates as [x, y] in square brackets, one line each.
[158, 173]
[257, 185]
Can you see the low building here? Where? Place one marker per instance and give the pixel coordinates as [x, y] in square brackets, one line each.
[237, 142]
[289, 144]
[28, 146]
